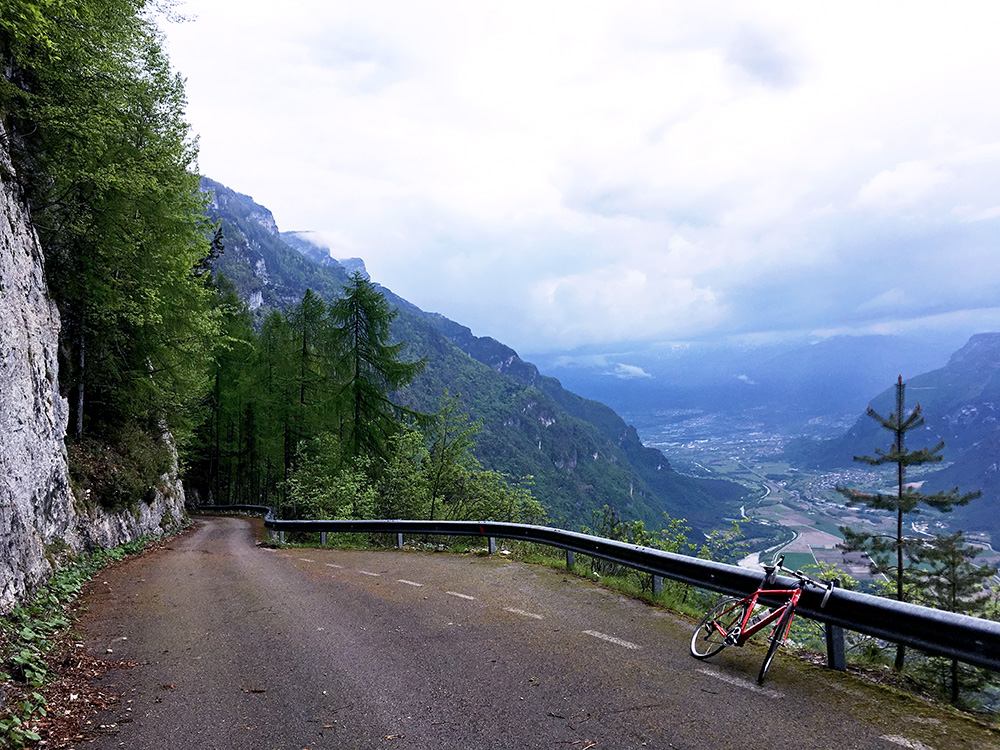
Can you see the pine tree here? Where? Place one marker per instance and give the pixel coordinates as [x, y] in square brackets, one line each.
[892, 554]
[951, 581]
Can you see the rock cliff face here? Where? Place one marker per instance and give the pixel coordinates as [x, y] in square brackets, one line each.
[38, 520]
[35, 503]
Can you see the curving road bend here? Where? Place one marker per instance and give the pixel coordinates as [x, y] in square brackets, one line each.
[240, 646]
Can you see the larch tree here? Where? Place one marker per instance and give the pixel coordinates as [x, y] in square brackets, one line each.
[369, 369]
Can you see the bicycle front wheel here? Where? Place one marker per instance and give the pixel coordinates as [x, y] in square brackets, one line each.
[777, 638]
[708, 637]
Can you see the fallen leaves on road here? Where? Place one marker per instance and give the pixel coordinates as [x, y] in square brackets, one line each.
[73, 697]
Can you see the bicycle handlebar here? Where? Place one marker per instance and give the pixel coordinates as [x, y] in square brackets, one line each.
[778, 565]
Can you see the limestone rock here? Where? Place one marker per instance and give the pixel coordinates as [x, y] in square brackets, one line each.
[36, 513]
[39, 520]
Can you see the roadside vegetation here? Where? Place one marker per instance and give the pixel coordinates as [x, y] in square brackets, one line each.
[34, 649]
[303, 416]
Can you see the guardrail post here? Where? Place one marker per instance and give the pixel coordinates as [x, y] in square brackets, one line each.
[322, 539]
[657, 585]
[270, 534]
[282, 532]
[399, 540]
[836, 656]
[570, 559]
[493, 545]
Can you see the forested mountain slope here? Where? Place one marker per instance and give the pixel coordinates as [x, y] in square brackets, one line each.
[580, 453]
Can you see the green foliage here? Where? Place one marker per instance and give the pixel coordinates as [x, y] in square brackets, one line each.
[30, 632]
[403, 490]
[369, 368]
[724, 545]
[309, 382]
[94, 119]
[452, 438]
[302, 416]
[326, 485]
[895, 554]
[672, 537]
[118, 473]
[950, 580]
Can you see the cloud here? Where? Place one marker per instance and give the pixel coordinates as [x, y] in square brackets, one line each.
[764, 57]
[629, 372]
[562, 174]
[903, 185]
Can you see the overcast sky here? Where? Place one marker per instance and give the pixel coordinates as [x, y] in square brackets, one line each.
[560, 174]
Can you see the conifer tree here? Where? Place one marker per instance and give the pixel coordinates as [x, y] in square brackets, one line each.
[951, 581]
[313, 376]
[369, 368]
[892, 554]
[95, 123]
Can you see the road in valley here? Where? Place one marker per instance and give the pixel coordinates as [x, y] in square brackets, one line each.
[241, 646]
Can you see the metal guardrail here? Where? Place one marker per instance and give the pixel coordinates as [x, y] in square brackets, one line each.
[968, 639]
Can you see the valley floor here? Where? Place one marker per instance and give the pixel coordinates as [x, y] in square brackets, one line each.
[803, 502]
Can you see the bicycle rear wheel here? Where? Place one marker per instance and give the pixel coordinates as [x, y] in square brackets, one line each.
[777, 638]
[707, 639]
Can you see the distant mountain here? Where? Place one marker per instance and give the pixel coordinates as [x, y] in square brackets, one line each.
[581, 454]
[267, 273]
[961, 406]
[786, 386]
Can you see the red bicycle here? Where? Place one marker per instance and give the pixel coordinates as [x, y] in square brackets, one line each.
[733, 621]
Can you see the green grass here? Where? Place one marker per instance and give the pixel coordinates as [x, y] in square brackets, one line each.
[797, 560]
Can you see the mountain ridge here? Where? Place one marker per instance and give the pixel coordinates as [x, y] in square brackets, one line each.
[532, 426]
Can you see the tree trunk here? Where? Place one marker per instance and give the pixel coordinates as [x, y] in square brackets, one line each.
[80, 364]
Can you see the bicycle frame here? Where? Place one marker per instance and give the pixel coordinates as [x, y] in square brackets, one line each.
[725, 625]
[747, 632]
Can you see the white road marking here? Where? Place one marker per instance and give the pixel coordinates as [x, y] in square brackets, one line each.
[741, 683]
[522, 613]
[612, 639]
[334, 565]
[460, 596]
[304, 559]
[903, 742]
[409, 583]
[369, 573]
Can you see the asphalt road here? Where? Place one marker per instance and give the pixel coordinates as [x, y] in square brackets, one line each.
[240, 646]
